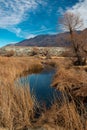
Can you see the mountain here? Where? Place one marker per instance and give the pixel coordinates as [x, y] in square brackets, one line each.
[58, 40]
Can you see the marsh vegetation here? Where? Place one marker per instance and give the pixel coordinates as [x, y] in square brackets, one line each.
[65, 109]
[18, 107]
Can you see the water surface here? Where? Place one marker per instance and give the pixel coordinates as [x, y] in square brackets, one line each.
[40, 86]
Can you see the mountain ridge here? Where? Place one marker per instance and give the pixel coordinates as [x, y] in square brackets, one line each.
[48, 40]
[57, 40]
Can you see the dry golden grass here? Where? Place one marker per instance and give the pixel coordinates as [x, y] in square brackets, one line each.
[71, 77]
[3, 129]
[65, 115]
[11, 67]
[72, 82]
[69, 112]
[16, 107]
[16, 103]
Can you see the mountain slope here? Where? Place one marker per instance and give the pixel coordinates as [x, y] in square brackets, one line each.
[46, 41]
[58, 40]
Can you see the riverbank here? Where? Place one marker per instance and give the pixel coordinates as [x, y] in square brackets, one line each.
[11, 67]
[16, 102]
[70, 80]
[70, 76]
[70, 111]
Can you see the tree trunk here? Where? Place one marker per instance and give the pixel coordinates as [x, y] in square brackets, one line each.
[80, 59]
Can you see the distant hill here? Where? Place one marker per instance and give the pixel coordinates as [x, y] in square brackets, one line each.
[58, 40]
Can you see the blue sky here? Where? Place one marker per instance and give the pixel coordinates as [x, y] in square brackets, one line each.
[23, 19]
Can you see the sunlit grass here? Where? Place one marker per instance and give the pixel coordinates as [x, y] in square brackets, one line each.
[17, 105]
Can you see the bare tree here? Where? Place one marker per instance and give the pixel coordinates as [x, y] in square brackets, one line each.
[72, 22]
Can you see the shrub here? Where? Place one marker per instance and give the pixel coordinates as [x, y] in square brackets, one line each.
[10, 53]
[35, 51]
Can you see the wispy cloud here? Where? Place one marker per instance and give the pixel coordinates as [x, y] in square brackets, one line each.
[13, 12]
[81, 9]
[60, 11]
[30, 36]
[42, 30]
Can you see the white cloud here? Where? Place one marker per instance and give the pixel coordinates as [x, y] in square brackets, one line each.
[43, 29]
[13, 12]
[60, 10]
[15, 30]
[20, 33]
[81, 9]
[30, 36]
